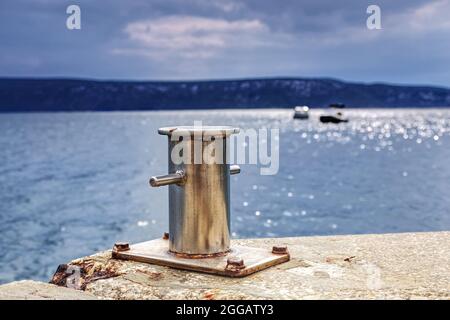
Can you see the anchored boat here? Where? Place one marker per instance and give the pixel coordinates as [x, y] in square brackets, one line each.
[333, 118]
[301, 112]
[338, 117]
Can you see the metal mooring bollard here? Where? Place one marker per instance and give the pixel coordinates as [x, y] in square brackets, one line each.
[199, 209]
[199, 190]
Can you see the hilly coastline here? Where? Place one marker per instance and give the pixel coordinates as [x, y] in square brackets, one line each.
[34, 95]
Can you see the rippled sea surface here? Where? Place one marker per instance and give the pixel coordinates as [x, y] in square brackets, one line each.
[72, 184]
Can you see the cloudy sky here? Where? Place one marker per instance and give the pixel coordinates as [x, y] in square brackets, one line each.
[215, 39]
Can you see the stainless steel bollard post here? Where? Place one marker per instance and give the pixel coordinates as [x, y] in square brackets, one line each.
[199, 190]
[199, 210]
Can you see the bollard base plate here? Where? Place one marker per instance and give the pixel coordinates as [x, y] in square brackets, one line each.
[156, 252]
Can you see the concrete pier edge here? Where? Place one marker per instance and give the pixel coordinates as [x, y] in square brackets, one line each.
[374, 266]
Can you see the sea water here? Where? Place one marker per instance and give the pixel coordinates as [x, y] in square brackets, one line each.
[72, 184]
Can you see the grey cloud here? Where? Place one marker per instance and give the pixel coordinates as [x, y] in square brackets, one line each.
[298, 38]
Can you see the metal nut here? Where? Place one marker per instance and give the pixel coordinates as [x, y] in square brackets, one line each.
[121, 246]
[279, 249]
[235, 264]
[166, 236]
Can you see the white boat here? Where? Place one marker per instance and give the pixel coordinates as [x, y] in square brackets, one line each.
[301, 112]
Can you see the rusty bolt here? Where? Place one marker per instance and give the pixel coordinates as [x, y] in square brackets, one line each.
[235, 264]
[166, 236]
[280, 249]
[121, 246]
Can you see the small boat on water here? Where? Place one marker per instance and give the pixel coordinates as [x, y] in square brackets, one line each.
[301, 112]
[333, 118]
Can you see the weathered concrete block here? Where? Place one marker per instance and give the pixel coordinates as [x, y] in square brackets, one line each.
[384, 266]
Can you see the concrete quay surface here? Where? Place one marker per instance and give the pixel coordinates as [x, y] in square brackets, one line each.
[35, 290]
[381, 266]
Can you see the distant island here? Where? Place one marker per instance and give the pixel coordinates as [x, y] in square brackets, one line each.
[34, 95]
